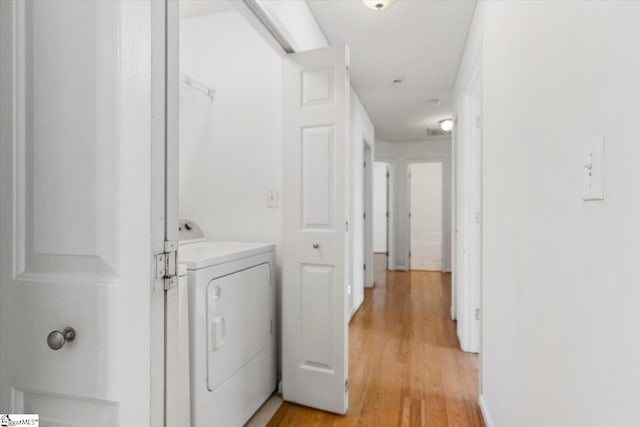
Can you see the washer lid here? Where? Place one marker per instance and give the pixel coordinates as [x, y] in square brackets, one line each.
[208, 253]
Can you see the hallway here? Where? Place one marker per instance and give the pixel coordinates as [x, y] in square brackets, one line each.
[406, 368]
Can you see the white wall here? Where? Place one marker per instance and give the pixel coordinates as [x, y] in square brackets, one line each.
[399, 155]
[380, 207]
[231, 148]
[560, 294]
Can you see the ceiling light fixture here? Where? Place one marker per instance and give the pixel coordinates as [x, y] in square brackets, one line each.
[446, 125]
[378, 4]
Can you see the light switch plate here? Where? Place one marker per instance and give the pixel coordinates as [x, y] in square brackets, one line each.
[593, 169]
[273, 197]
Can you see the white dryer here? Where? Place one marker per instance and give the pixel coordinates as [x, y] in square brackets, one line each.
[231, 327]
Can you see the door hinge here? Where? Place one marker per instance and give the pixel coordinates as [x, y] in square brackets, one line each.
[346, 226]
[364, 164]
[477, 314]
[167, 264]
[364, 215]
[409, 254]
[478, 123]
[387, 214]
[478, 217]
[364, 266]
[387, 175]
[346, 386]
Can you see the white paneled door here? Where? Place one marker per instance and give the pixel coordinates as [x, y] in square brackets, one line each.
[425, 221]
[75, 213]
[314, 295]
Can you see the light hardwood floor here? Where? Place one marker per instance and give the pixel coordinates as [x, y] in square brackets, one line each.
[406, 368]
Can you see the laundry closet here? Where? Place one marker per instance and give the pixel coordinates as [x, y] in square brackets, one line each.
[230, 172]
[270, 137]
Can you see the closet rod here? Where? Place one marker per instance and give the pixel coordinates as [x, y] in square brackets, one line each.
[195, 84]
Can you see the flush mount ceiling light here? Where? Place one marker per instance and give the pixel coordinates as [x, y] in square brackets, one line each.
[378, 4]
[446, 125]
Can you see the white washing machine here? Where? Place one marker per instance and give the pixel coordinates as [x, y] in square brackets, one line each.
[231, 327]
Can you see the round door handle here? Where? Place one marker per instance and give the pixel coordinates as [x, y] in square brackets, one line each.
[56, 339]
[316, 246]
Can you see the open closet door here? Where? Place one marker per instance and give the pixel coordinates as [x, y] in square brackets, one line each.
[77, 285]
[314, 295]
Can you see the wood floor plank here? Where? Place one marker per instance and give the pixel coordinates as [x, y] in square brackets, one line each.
[406, 368]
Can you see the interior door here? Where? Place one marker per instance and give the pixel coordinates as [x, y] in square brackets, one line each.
[314, 295]
[425, 205]
[75, 218]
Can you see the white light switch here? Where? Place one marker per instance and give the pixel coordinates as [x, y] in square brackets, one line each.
[593, 169]
[273, 198]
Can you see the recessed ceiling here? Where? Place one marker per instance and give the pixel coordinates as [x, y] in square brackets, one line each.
[420, 40]
[191, 8]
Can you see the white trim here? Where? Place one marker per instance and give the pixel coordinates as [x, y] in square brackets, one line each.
[270, 22]
[260, 26]
[467, 277]
[484, 409]
[401, 268]
[367, 208]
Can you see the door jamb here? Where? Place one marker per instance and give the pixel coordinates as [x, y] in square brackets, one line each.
[367, 230]
[467, 289]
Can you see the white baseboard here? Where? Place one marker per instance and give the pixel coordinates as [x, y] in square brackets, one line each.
[401, 268]
[486, 415]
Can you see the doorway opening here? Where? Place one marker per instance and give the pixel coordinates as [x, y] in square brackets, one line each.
[367, 215]
[258, 120]
[227, 162]
[425, 216]
[381, 219]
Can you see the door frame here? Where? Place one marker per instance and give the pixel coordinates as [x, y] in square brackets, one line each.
[387, 189]
[367, 209]
[466, 289]
[160, 15]
[269, 27]
[410, 162]
[391, 206]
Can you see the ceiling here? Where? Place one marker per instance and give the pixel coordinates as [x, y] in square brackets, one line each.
[419, 40]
